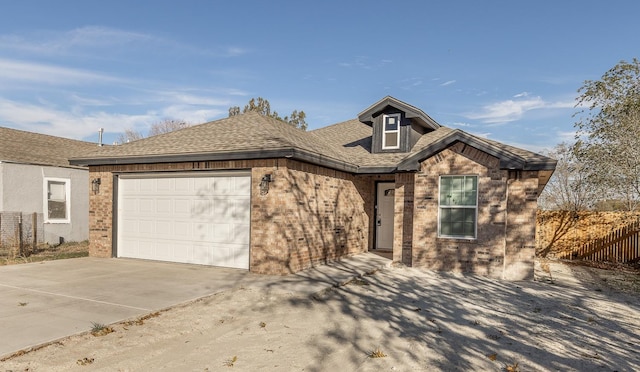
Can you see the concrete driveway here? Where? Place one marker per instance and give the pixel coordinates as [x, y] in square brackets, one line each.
[41, 302]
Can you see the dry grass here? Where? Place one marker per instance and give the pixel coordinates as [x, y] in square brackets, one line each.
[231, 362]
[99, 329]
[377, 353]
[49, 253]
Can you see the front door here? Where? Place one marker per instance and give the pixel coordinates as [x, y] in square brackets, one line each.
[385, 193]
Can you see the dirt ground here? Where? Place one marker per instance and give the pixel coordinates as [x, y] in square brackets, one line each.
[572, 318]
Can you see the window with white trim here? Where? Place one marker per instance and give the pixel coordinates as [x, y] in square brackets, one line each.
[391, 131]
[458, 207]
[57, 192]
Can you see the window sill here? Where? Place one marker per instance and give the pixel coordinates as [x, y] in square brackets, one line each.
[57, 221]
[457, 239]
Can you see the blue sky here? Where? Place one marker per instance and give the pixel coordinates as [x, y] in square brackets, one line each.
[507, 70]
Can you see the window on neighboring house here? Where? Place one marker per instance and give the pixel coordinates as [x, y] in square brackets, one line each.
[458, 206]
[56, 194]
[391, 131]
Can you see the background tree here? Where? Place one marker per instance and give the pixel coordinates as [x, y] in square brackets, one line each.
[129, 135]
[608, 133]
[166, 126]
[568, 188]
[161, 127]
[263, 107]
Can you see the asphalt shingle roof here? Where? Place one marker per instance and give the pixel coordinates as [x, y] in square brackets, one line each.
[245, 132]
[353, 140]
[22, 147]
[347, 143]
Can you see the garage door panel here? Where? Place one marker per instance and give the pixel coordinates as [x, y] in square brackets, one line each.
[164, 228]
[182, 230]
[164, 206]
[182, 207]
[182, 252]
[129, 205]
[163, 251]
[165, 184]
[242, 183]
[202, 220]
[145, 248]
[201, 208]
[241, 234]
[146, 206]
[242, 209]
[221, 233]
[145, 185]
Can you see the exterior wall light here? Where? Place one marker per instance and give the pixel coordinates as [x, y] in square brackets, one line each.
[95, 185]
[264, 184]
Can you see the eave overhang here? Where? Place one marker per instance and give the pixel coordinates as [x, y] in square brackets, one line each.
[508, 160]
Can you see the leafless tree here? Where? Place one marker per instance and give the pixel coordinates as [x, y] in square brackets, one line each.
[161, 127]
[568, 189]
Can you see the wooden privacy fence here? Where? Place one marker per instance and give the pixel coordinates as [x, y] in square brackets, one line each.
[20, 233]
[620, 245]
[587, 235]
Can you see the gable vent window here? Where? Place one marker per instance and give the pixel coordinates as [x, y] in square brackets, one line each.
[391, 131]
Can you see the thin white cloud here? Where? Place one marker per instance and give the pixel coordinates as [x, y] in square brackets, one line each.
[192, 115]
[90, 41]
[192, 99]
[236, 51]
[23, 71]
[69, 124]
[365, 63]
[537, 148]
[55, 42]
[564, 136]
[461, 124]
[520, 95]
[511, 110]
[88, 101]
[449, 82]
[237, 92]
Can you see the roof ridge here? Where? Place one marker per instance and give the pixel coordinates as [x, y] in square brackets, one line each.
[29, 133]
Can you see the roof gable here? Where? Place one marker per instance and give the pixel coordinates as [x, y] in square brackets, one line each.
[509, 159]
[411, 112]
[17, 146]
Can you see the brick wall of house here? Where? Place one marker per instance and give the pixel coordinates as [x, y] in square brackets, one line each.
[522, 204]
[309, 215]
[101, 214]
[403, 218]
[486, 254]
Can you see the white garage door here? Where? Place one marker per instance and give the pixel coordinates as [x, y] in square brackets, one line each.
[203, 219]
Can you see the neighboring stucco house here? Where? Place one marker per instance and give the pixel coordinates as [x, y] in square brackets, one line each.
[253, 192]
[36, 177]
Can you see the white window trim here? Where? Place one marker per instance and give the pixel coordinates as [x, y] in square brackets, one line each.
[475, 228]
[45, 188]
[385, 131]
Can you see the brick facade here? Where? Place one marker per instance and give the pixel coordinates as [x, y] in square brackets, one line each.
[312, 214]
[309, 215]
[503, 247]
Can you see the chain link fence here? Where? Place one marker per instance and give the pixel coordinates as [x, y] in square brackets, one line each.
[20, 233]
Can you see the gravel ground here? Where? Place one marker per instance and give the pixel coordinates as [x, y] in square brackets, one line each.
[572, 318]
